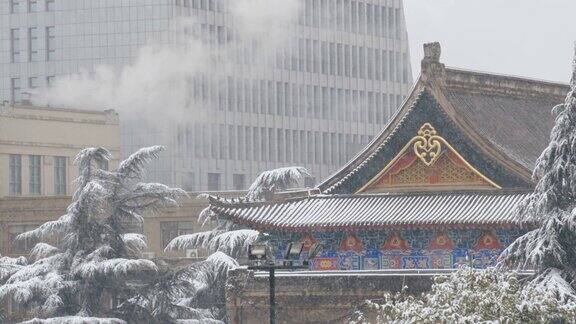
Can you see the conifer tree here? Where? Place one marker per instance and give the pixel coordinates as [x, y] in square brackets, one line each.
[550, 247]
[89, 252]
[228, 242]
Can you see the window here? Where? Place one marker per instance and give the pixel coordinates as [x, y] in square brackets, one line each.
[391, 22]
[404, 68]
[33, 6]
[369, 22]
[332, 59]
[354, 61]
[213, 181]
[15, 45]
[398, 68]
[354, 17]
[172, 229]
[377, 65]
[15, 90]
[361, 18]
[15, 167]
[383, 27]
[377, 27]
[347, 60]
[384, 65]
[239, 181]
[59, 175]
[391, 68]
[362, 62]
[50, 80]
[35, 177]
[50, 43]
[50, 5]
[281, 145]
[370, 61]
[32, 44]
[398, 23]
[339, 59]
[324, 58]
[33, 82]
[325, 148]
[14, 6]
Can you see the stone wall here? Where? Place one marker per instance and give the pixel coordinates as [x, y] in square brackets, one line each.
[312, 296]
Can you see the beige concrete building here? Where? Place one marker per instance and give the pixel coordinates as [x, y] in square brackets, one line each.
[38, 146]
[37, 150]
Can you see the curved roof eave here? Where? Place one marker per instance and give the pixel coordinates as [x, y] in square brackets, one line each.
[434, 87]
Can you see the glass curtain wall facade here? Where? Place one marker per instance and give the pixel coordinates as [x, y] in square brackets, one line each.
[315, 100]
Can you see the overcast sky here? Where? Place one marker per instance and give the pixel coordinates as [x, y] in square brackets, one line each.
[531, 38]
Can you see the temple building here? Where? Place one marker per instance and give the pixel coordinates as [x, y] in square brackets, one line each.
[436, 188]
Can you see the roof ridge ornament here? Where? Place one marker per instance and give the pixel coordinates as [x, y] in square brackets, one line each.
[427, 144]
[430, 65]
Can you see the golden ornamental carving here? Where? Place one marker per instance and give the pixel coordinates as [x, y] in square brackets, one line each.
[427, 144]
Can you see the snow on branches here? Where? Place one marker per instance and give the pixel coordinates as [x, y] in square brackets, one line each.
[234, 243]
[268, 182]
[470, 296]
[228, 242]
[75, 320]
[228, 237]
[552, 208]
[87, 252]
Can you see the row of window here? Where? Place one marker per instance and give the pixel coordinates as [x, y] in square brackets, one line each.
[289, 99]
[16, 86]
[352, 16]
[35, 175]
[341, 15]
[19, 6]
[211, 5]
[33, 45]
[315, 56]
[269, 144]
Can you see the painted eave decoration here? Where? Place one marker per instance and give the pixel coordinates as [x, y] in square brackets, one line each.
[428, 161]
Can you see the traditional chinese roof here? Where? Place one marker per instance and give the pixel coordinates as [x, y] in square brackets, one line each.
[497, 124]
[459, 152]
[342, 212]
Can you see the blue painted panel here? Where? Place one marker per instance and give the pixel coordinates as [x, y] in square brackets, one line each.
[479, 248]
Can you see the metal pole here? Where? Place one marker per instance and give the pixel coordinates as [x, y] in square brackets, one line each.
[272, 297]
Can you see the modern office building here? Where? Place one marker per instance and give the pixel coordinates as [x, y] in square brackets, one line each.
[314, 99]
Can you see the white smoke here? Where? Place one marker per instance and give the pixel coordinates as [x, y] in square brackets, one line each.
[157, 84]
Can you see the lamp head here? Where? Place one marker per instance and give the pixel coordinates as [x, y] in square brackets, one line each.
[257, 252]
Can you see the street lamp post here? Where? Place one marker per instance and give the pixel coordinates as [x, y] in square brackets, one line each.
[257, 253]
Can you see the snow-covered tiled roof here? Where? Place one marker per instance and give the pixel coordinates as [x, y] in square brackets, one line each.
[506, 119]
[342, 212]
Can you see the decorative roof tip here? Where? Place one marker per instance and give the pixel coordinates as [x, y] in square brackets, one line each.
[431, 65]
[432, 52]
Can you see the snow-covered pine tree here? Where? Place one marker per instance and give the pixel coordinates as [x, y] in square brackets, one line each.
[88, 252]
[228, 242]
[549, 248]
[230, 238]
